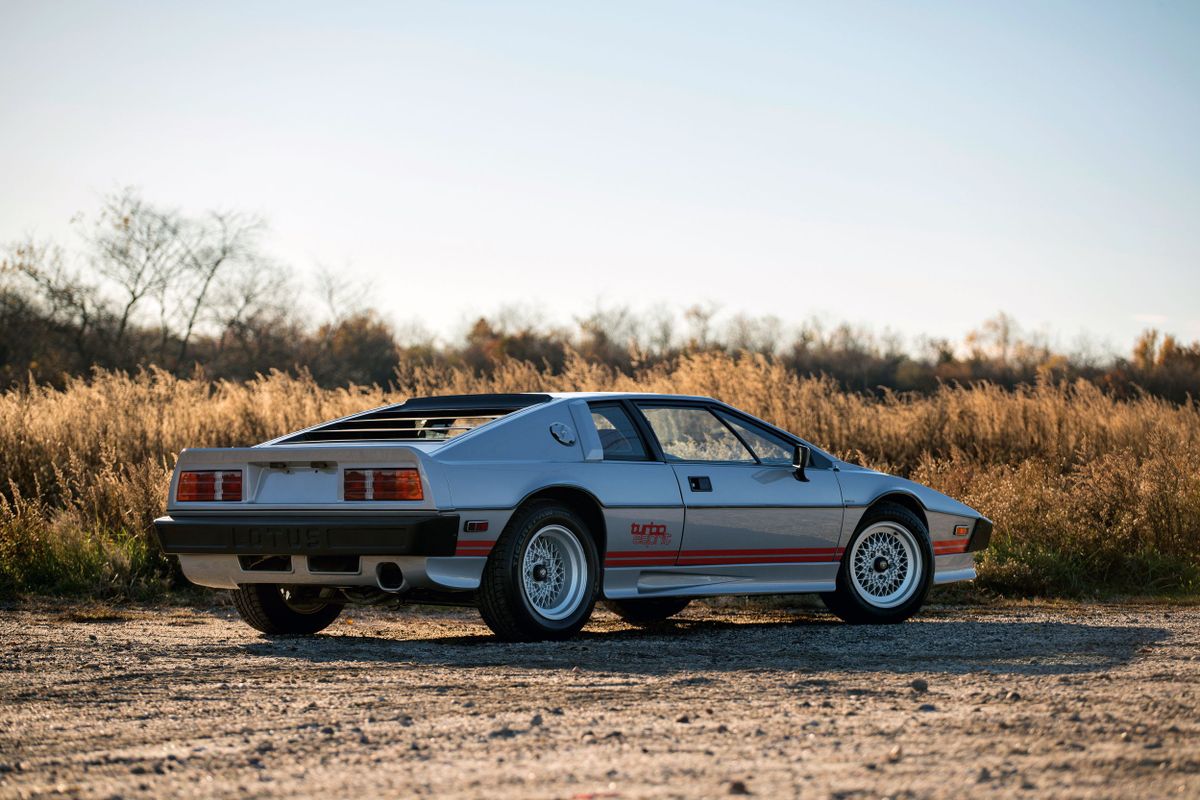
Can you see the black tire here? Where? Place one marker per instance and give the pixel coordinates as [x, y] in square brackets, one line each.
[856, 607]
[647, 610]
[264, 607]
[503, 601]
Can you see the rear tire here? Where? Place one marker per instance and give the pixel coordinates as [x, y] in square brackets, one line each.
[647, 610]
[275, 609]
[541, 579]
[887, 570]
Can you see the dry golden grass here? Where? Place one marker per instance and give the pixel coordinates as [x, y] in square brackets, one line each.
[1089, 494]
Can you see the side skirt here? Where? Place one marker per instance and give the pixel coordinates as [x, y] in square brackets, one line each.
[709, 580]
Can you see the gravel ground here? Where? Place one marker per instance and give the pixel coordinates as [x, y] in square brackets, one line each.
[1062, 701]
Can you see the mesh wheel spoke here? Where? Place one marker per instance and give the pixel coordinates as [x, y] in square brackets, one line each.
[884, 564]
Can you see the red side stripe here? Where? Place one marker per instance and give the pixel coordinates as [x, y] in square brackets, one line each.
[473, 548]
[641, 553]
[684, 561]
[800, 551]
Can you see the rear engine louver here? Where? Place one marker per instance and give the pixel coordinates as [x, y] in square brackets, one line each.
[429, 419]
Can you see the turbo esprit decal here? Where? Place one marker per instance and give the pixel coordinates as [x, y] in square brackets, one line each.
[648, 533]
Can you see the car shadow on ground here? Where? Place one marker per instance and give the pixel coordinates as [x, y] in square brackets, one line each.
[807, 643]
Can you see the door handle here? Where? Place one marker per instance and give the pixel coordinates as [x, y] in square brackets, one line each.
[699, 483]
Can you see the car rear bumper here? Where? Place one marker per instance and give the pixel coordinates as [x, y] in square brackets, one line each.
[394, 535]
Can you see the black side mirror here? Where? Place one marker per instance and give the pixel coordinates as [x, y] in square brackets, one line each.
[800, 459]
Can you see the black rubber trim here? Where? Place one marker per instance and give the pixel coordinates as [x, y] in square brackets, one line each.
[432, 535]
[471, 402]
[981, 535]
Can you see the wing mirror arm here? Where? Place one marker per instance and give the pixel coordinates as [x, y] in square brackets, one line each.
[800, 460]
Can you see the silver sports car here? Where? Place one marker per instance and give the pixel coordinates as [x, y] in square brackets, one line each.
[534, 506]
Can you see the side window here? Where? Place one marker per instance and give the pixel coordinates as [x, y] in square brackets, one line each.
[694, 434]
[769, 447]
[618, 436]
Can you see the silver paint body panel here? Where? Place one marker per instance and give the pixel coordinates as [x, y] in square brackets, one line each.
[759, 531]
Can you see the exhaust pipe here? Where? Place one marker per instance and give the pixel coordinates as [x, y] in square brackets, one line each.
[389, 577]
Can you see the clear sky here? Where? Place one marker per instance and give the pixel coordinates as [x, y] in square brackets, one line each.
[916, 166]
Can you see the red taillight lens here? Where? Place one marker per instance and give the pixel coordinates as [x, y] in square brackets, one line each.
[382, 484]
[354, 484]
[231, 485]
[209, 485]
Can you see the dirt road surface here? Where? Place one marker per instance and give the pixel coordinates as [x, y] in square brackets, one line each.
[1030, 701]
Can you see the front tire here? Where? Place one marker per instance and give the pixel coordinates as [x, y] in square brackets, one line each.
[542, 577]
[887, 570]
[275, 609]
[648, 610]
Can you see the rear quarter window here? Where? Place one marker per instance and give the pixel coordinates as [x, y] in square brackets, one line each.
[618, 434]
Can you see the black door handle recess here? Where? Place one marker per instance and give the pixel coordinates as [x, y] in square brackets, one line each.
[699, 483]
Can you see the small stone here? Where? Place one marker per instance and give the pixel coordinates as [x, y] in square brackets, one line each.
[722, 729]
[739, 787]
[536, 722]
[1012, 697]
[502, 733]
[896, 754]
[1125, 737]
[685, 719]
[927, 707]
[920, 685]
[984, 776]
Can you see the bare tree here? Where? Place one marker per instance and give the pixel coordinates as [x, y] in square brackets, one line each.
[67, 300]
[208, 247]
[700, 319]
[152, 254]
[342, 294]
[135, 247]
[660, 326]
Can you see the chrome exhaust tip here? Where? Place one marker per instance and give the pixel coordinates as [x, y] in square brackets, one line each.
[389, 576]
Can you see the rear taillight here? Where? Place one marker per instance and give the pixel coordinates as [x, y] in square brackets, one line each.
[201, 486]
[382, 484]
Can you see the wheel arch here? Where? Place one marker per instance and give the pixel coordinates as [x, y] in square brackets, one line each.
[904, 500]
[582, 502]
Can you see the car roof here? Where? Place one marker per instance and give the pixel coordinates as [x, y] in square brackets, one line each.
[626, 396]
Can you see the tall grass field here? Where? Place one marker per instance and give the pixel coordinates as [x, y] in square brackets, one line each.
[1091, 496]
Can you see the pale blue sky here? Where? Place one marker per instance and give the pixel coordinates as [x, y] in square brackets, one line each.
[913, 166]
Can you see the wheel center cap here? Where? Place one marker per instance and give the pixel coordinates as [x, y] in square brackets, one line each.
[540, 573]
[881, 564]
